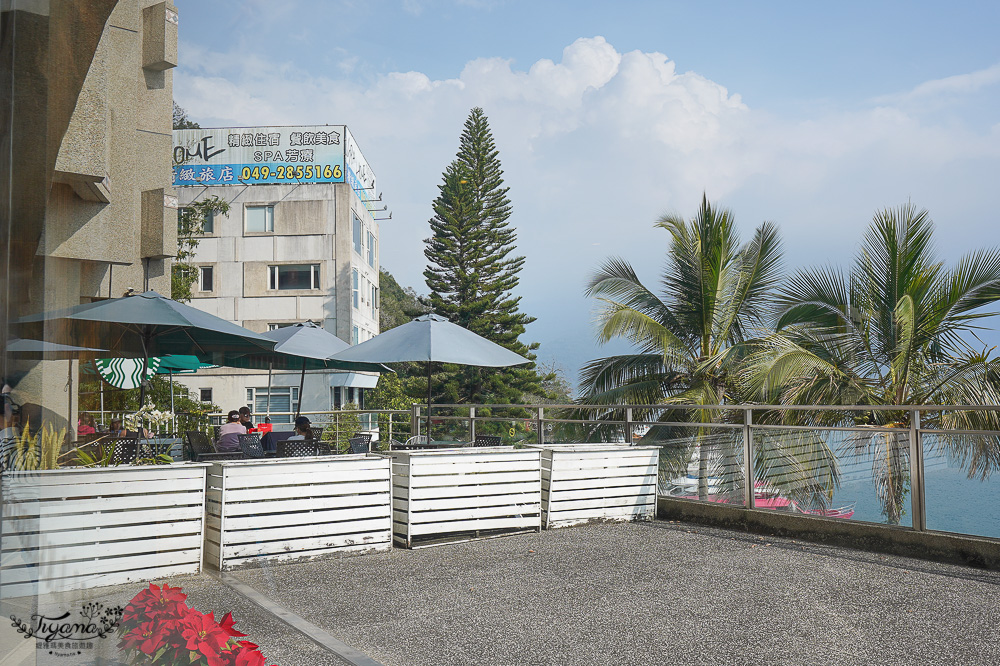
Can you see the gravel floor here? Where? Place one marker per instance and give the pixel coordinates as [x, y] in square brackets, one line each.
[644, 593]
[639, 593]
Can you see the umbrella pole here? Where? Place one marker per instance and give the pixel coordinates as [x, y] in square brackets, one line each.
[267, 409]
[142, 377]
[173, 415]
[428, 402]
[302, 383]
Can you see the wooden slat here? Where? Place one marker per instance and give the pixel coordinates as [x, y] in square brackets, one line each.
[603, 514]
[466, 491]
[475, 513]
[482, 524]
[579, 484]
[306, 504]
[57, 555]
[574, 505]
[235, 524]
[86, 567]
[235, 562]
[447, 467]
[81, 521]
[460, 502]
[91, 535]
[95, 580]
[306, 544]
[76, 476]
[473, 479]
[568, 474]
[591, 493]
[325, 490]
[330, 474]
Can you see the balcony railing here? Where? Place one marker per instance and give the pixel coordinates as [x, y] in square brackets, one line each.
[895, 465]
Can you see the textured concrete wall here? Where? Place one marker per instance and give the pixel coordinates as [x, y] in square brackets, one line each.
[937, 546]
[88, 132]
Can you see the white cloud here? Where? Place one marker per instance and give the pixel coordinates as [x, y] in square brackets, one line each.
[596, 146]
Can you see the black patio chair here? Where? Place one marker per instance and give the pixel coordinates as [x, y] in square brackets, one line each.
[488, 440]
[317, 432]
[251, 446]
[125, 451]
[360, 444]
[200, 448]
[298, 448]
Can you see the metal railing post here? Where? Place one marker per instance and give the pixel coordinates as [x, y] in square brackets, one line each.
[628, 426]
[541, 418]
[414, 420]
[472, 423]
[917, 497]
[749, 480]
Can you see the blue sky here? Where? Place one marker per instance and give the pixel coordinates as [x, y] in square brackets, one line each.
[608, 115]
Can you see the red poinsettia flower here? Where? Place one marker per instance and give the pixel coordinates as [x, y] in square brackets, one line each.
[226, 624]
[147, 637]
[247, 654]
[201, 633]
[153, 602]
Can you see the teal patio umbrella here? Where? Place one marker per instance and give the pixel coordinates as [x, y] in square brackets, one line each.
[147, 325]
[305, 346]
[428, 339]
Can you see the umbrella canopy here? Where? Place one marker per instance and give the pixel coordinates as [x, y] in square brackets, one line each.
[148, 324]
[299, 346]
[49, 351]
[305, 346]
[431, 338]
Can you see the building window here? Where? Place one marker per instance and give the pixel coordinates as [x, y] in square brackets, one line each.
[354, 335]
[371, 249]
[205, 394]
[207, 226]
[275, 327]
[260, 218]
[354, 286]
[205, 282]
[294, 276]
[357, 233]
[283, 399]
[374, 302]
[335, 400]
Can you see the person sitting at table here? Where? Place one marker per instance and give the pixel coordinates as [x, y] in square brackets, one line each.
[115, 429]
[86, 425]
[303, 429]
[229, 433]
[245, 419]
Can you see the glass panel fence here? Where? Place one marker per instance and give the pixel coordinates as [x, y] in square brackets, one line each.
[861, 475]
[701, 462]
[954, 499]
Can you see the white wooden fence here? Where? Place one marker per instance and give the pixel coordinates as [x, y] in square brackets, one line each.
[458, 494]
[69, 529]
[584, 482]
[296, 508]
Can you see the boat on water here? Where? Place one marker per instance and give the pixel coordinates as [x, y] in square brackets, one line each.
[766, 496]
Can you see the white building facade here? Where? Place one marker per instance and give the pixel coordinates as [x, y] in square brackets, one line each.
[299, 243]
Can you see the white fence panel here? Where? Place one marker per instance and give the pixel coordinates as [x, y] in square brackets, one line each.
[76, 528]
[281, 509]
[585, 482]
[449, 495]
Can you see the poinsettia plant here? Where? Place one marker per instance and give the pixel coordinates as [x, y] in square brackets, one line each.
[158, 628]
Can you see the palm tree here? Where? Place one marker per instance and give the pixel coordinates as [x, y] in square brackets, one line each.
[893, 330]
[691, 338]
